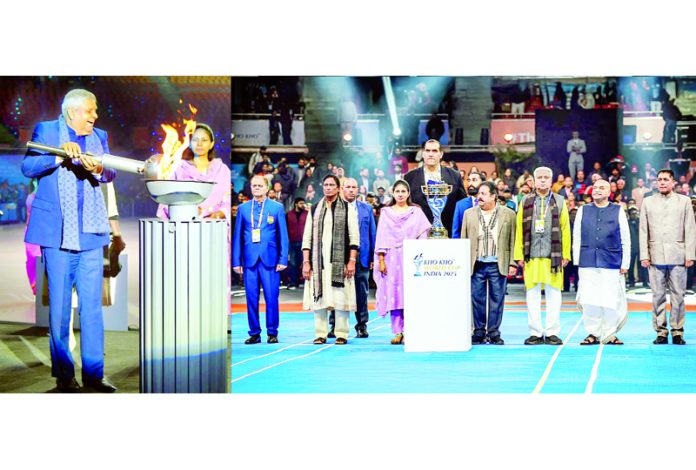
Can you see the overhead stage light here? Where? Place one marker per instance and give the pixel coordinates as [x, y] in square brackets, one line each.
[347, 137]
[508, 137]
[397, 132]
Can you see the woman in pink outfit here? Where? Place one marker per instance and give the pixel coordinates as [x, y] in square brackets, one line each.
[199, 164]
[398, 221]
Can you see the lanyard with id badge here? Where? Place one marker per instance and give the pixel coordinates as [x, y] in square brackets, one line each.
[539, 224]
[256, 232]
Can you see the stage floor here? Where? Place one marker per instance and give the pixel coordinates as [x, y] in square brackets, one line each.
[373, 365]
[16, 298]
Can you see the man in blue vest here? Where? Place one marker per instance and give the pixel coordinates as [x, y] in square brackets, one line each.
[602, 252]
[69, 221]
[474, 181]
[260, 251]
[368, 231]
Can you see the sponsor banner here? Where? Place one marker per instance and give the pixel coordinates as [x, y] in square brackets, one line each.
[256, 132]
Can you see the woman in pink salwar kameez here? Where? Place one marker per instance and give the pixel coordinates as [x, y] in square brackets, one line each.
[199, 164]
[398, 221]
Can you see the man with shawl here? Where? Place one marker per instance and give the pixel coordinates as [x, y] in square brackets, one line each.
[542, 248]
[69, 222]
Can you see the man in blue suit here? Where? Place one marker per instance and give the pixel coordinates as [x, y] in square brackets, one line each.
[69, 221]
[260, 251]
[474, 179]
[368, 232]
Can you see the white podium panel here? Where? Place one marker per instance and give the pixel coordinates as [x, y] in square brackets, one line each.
[437, 295]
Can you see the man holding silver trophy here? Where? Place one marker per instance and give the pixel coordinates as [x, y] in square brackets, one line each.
[436, 189]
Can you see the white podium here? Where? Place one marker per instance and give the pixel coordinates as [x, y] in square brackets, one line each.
[437, 295]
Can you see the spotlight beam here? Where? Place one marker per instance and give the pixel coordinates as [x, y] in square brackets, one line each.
[391, 105]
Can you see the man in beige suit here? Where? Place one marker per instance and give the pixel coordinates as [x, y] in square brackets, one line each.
[490, 228]
[667, 249]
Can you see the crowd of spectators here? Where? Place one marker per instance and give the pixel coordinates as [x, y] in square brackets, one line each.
[13, 196]
[375, 174]
[527, 98]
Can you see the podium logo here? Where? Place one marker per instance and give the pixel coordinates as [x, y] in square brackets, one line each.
[435, 267]
[418, 262]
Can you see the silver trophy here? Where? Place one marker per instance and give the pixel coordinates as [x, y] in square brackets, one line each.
[437, 193]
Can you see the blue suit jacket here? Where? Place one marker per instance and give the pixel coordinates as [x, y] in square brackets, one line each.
[273, 247]
[460, 208]
[46, 221]
[368, 232]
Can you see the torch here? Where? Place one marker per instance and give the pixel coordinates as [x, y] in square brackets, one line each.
[149, 169]
[184, 283]
[181, 197]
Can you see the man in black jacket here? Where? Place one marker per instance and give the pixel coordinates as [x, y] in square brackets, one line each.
[432, 170]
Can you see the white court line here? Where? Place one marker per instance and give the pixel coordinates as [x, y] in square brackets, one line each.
[545, 376]
[279, 363]
[292, 359]
[595, 367]
[271, 353]
[36, 352]
[286, 347]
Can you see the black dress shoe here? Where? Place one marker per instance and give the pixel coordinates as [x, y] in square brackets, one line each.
[362, 334]
[660, 340]
[331, 334]
[478, 339]
[272, 339]
[678, 340]
[497, 340]
[341, 341]
[100, 385]
[534, 340]
[319, 340]
[253, 339]
[68, 385]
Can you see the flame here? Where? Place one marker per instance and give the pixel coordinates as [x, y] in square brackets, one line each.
[172, 148]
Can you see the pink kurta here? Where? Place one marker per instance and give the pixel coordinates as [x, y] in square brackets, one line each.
[392, 230]
[218, 173]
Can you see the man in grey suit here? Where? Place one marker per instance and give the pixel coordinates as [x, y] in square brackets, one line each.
[667, 248]
[490, 228]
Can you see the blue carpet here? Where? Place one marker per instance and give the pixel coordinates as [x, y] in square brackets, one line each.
[373, 365]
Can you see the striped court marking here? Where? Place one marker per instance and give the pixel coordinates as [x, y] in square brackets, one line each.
[549, 366]
[272, 352]
[280, 363]
[288, 347]
[36, 352]
[595, 367]
[293, 359]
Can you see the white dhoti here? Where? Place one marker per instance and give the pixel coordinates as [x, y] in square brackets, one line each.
[602, 300]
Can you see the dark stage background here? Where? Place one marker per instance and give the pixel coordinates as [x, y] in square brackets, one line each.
[599, 128]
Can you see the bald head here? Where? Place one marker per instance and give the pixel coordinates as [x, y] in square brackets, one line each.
[600, 191]
[350, 189]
